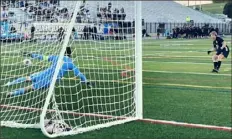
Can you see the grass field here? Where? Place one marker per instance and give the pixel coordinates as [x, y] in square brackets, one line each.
[215, 8]
[177, 86]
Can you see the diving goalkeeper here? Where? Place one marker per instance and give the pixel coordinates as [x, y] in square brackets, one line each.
[43, 79]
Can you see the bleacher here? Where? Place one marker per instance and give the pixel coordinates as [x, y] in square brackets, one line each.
[160, 11]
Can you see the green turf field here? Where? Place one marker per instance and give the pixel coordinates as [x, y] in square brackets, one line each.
[177, 86]
[214, 8]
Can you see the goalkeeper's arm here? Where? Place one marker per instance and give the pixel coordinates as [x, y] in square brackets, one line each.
[77, 73]
[82, 76]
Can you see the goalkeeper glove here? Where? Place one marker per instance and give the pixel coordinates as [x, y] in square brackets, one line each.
[26, 54]
[209, 52]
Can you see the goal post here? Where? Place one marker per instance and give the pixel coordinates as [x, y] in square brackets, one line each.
[57, 70]
[138, 59]
[98, 86]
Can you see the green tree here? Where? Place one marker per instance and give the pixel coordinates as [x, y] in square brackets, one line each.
[228, 9]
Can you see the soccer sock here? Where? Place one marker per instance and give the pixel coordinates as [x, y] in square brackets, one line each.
[219, 65]
[18, 92]
[83, 78]
[19, 80]
[215, 65]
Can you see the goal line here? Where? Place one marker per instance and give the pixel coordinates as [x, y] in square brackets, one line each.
[151, 121]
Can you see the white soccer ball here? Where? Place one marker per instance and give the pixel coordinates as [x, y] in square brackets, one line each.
[27, 62]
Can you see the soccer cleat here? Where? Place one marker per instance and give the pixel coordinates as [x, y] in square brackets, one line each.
[89, 84]
[26, 54]
[214, 70]
[209, 52]
[9, 94]
[7, 84]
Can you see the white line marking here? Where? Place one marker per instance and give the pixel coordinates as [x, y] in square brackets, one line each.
[212, 127]
[167, 56]
[183, 63]
[194, 73]
[195, 86]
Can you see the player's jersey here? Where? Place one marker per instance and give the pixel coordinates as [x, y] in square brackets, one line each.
[66, 66]
[218, 43]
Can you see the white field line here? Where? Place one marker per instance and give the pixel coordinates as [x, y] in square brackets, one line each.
[166, 41]
[193, 73]
[130, 82]
[167, 56]
[158, 52]
[170, 72]
[190, 125]
[149, 56]
[194, 86]
[182, 62]
[153, 121]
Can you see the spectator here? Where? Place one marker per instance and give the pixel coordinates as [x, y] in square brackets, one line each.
[13, 2]
[60, 34]
[85, 31]
[12, 29]
[94, 32]
[211, 29]
[158, 33]
[192, 31]
[4, 14]
[217, 30]
[109, 6]
[32, 32]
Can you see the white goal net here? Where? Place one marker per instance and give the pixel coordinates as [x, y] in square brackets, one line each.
[69, 67]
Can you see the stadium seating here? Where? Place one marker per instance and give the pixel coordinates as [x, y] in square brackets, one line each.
[162, 11]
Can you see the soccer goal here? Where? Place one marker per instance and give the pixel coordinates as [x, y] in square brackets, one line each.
[71, 67]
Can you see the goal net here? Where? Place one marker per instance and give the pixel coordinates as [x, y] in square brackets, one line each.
[71, 66]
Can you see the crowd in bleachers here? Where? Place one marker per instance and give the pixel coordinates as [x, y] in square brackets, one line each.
[107, 14]
[192, 31]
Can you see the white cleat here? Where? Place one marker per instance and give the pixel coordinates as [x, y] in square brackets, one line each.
[7, 84]
[9, 94]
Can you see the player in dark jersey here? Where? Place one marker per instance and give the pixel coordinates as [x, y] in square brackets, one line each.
[222, 51]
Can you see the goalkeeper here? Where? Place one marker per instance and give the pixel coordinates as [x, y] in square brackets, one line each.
[42, 80]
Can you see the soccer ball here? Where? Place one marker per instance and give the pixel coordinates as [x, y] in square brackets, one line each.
[27, 62]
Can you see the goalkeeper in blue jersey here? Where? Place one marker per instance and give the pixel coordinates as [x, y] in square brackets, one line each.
[43, 79]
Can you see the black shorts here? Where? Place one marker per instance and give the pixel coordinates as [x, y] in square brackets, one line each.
[223, 52]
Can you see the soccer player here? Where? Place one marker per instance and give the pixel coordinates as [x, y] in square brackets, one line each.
[43, 79]
[222, 51]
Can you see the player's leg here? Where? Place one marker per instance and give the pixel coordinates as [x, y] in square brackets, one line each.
[19, 80]
[220, 58]
[215, 62]
[33, 55]
[39, 81]
[223, 55]
[68, 51]
[20, 91]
